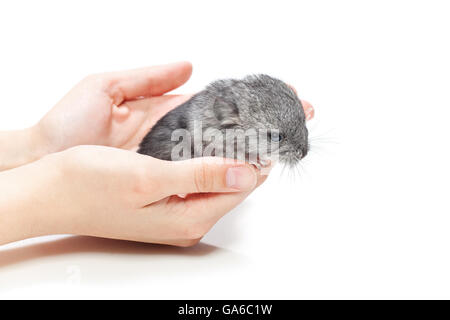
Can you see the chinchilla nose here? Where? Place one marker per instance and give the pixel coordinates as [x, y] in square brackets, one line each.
[303, 152]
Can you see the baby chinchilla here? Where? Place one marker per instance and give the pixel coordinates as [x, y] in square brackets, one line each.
[256, 103]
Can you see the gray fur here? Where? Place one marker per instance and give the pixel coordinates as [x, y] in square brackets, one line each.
[257, 101]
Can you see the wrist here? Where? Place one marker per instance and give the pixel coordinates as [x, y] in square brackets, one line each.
[27, 200]
[21, 147]
[38, 146]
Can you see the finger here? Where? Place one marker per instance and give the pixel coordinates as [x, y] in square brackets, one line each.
[179, 242]
[151, 81]
[309, 110]
[307, 107]
[153, 108]
[209, 208]
[201, 175]
[139, 116]
[191, 218]
[293, 89]
[157, 105]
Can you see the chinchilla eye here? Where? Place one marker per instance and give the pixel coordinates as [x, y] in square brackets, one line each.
[276, 136]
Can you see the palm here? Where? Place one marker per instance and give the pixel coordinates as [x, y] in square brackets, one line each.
[130, 126]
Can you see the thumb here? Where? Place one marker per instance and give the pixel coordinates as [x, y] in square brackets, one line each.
[209, 174]
[150, 81]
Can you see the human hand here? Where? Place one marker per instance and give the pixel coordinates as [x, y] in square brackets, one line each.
[113, 109]
[116, 109]
[113, 193]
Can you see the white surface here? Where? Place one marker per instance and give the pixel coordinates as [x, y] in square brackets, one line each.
[367, 218]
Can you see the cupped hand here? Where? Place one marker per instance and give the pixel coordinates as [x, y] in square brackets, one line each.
[113, 109]
[113, 193]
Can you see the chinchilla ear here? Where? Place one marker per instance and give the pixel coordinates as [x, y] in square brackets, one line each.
[227, 113]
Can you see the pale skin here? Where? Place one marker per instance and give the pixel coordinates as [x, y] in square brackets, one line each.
[77, 172]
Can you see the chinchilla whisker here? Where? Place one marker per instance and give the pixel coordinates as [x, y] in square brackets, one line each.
[298, 170]
[288, 176]
[317, 147]
[323, 136]
[283, 169]
[318, 151]
[302, 169]
[292, 172]
[326, 136]
[323, 140]
[324, 133]
[292, 176]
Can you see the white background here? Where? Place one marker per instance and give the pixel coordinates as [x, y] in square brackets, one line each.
[368, 215]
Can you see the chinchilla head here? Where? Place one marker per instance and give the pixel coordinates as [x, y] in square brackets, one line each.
[263, 103]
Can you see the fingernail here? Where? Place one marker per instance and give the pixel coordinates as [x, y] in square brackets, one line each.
[240, 178]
